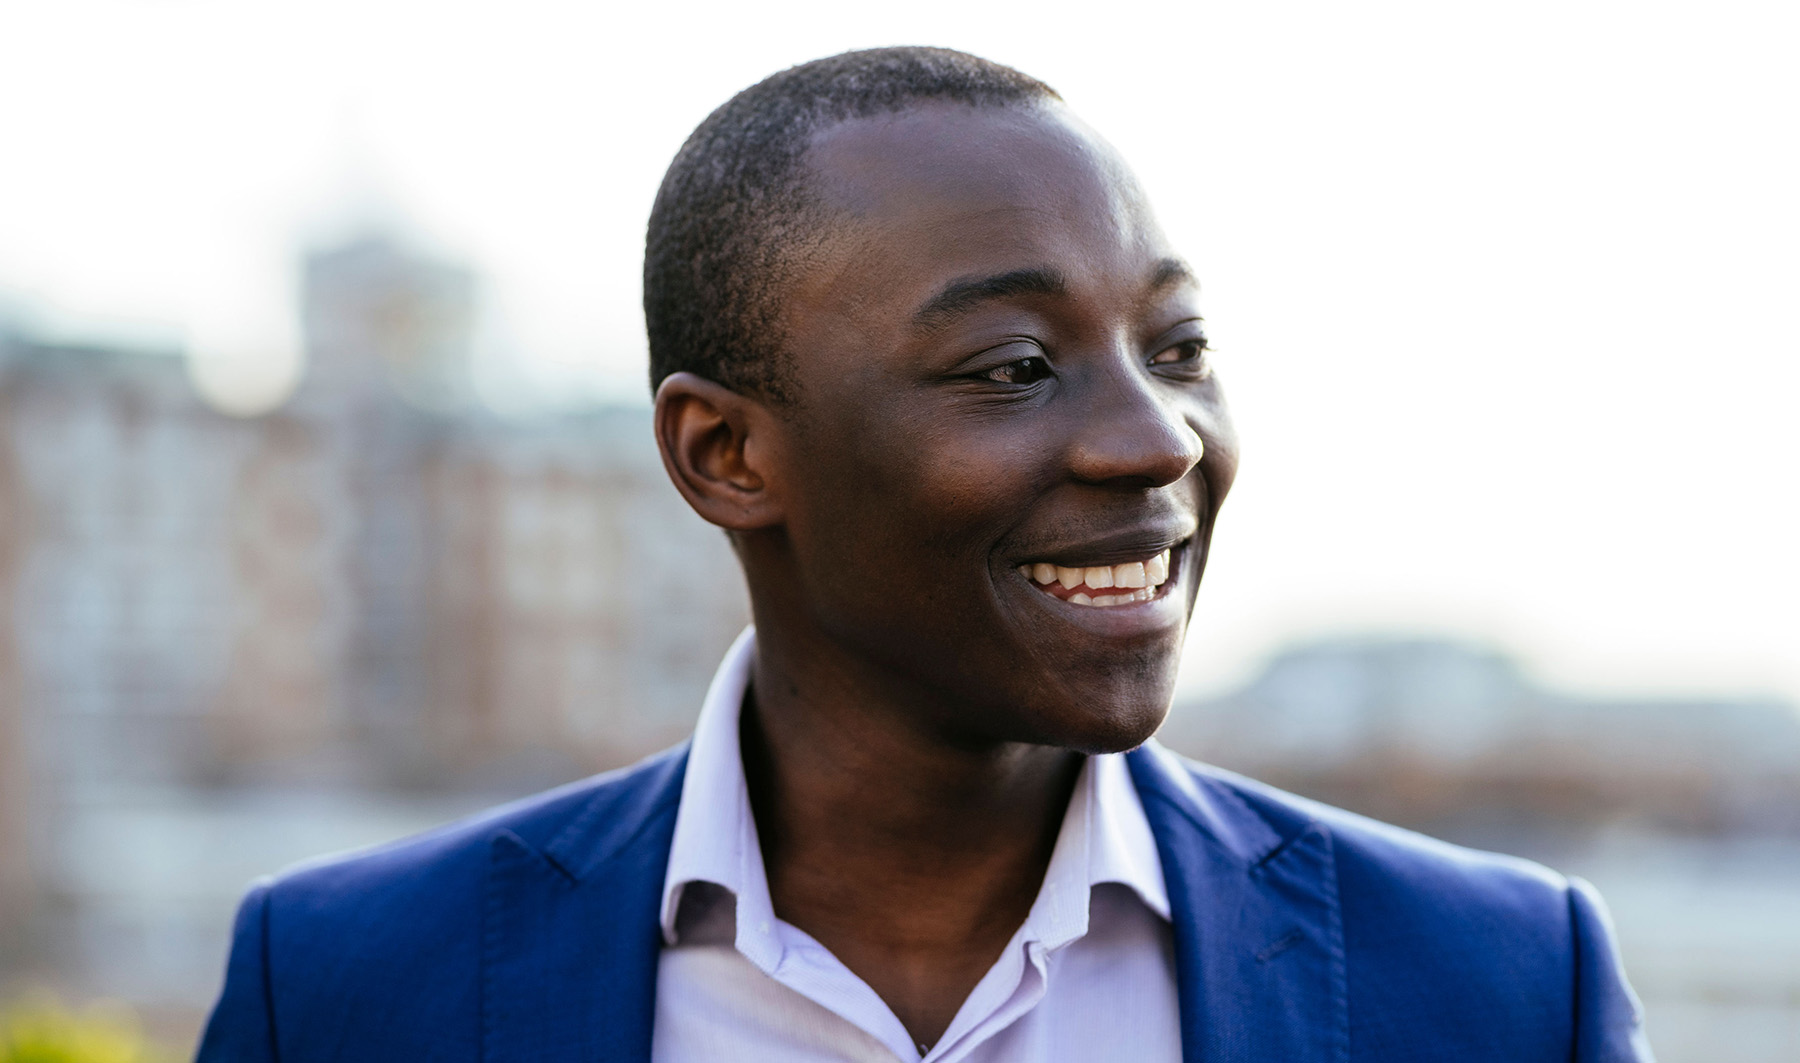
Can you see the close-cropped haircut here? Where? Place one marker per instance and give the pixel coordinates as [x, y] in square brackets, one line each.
[735, 206]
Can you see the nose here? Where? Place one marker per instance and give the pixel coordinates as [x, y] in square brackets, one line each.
[1133, 431]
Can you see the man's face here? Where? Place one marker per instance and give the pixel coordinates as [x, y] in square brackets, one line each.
[1002, 378]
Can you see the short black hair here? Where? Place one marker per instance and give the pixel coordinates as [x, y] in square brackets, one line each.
[734, 206]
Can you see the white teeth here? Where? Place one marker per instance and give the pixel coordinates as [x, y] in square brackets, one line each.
[1140, 578]
[1143, 595]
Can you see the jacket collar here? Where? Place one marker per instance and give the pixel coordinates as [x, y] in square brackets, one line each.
[571, 929]
[1259, 942]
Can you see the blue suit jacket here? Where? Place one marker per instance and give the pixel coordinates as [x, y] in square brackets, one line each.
[1303, 934]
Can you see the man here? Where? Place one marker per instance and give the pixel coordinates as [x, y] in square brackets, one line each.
[921, 349]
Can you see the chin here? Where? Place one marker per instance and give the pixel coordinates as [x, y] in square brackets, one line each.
[1133, 719]
[1122, 706]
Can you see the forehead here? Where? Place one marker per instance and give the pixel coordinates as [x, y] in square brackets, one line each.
[941, 191]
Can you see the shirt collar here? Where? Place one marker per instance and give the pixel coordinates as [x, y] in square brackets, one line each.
[1105, 836]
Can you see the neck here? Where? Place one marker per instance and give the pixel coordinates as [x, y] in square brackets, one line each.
[912, 855]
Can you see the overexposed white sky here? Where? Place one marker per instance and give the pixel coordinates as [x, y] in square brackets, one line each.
[1505, 295]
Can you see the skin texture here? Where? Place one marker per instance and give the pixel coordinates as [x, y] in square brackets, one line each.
[998, 360]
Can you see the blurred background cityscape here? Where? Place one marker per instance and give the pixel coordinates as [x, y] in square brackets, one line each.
[329, 510]
[237, 642]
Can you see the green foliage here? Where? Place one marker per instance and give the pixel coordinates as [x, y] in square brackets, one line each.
[39, 1029]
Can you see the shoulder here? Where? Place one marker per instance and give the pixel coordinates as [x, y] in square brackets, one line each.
[1371, 853]
[1377, 859]
[388, 941]
[421, 896]
[550, 822]
[1508, 959]
[1488, 944]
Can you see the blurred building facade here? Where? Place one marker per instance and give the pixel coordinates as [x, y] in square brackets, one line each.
[1449, 736]
[376, 602]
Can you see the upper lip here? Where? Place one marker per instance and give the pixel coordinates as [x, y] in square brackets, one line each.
[1114, 547]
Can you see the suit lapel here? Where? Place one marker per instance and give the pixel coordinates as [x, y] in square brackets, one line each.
[1259, 949]
[571, 931]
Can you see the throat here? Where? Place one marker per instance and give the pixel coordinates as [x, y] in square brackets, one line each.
[912, 858]
[914, 875]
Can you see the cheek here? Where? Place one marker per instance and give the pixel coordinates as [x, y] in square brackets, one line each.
[898, 526]
[914, 488]
[1221, 461]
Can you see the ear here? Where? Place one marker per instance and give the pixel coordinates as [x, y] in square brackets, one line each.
[716, 445]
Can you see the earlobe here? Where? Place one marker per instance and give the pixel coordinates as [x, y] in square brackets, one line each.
[710, 439]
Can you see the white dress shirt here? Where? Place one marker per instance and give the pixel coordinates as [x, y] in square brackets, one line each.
[1089, 976]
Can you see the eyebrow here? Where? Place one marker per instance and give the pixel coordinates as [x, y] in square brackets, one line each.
[962, 295]
[1169, 273]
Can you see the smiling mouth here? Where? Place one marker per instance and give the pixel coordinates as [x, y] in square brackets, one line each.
[1101, 586]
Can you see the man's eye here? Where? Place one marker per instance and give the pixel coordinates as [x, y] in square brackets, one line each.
[1189, 355]
[1024, 371]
